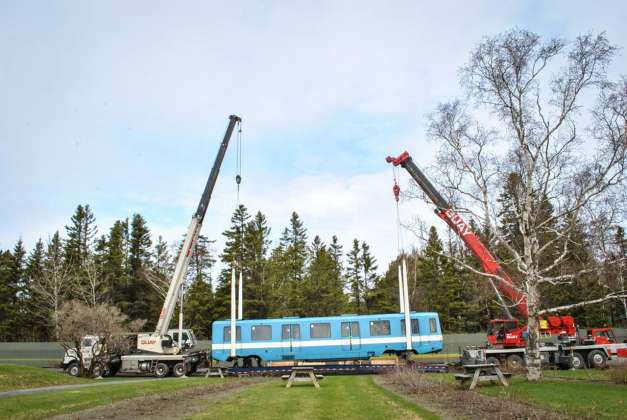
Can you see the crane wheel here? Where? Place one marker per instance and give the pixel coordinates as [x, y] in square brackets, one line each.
[99, 371]
[179, 370]
[515, 362]
[493, 361]
[73, 369]
[162, 370]
[578, 361]
[597, 359]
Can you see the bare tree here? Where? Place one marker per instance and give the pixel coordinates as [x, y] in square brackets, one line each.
[106, 323]
[89, 286]
[533, 91]
[50, 287]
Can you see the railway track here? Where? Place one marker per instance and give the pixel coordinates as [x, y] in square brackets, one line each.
[332, 369]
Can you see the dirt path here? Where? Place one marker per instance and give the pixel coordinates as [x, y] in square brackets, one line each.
[449, 402]
[168, 405]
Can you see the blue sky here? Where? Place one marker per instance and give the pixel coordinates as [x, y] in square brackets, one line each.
[122, 105]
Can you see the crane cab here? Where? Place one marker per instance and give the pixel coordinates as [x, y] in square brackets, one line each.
[505, 333]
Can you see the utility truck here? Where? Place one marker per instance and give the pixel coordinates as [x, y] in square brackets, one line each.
[507, 337]
[157, 352]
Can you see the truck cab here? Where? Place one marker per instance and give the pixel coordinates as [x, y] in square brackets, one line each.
[505, 333]
[188, 338]
[90, 346]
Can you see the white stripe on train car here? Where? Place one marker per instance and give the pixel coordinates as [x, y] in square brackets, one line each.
[325, 343]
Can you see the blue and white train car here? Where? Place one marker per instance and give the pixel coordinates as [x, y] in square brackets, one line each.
[326, 338]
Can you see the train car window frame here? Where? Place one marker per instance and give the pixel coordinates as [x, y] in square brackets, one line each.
[380, 328]
[350, 326]
[433, 325]
[415, 328]
[294, 330]
[261, 332]
[227, 334]
[315, 333]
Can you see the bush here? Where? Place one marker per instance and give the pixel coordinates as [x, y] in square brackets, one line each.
[618, 374]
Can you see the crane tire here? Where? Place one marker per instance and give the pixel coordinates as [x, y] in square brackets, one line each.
[515, 362]
[162, 370]
[578, 361]
[597, 359]
[73, 369]
[179, 370]
[99, 371]
[493, 360]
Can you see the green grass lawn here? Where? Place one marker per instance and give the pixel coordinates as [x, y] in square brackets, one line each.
[48, 404]
[345, 397]
[22, 377]
[577, 398]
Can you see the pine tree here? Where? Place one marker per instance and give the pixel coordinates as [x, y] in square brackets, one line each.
[295, 259]
[80, 237]
[257, 291]
[199, 308]
[232, 256]
[354, 277]
[34, 329]
[141, 302]
[6, 307]
[323, 294]
[114, 257]
[369, 274]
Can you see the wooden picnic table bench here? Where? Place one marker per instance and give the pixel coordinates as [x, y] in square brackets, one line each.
[300, 374]
[482, 372]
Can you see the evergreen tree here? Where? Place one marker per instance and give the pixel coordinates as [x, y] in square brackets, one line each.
[80, 237]
[34, 329]
[232, 256]
[369, 274]
[323, 294]
[257, 291]
[141, 302]
[295, 259]
[198, 307]
[6, 290]
[113, 255]
[354, 277]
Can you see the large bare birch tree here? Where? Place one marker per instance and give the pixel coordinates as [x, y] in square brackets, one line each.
[545, 110]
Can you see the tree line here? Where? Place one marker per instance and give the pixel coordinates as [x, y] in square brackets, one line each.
[298, 276]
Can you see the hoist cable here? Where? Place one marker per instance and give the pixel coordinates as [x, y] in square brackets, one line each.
[238, 159]
[399, 229]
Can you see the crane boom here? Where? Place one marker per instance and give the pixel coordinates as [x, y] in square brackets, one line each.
[446, 212]
[192, 235]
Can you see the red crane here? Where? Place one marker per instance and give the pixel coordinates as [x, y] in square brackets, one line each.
[505, 332]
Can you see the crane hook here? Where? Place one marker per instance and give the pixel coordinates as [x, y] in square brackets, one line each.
[397, 191]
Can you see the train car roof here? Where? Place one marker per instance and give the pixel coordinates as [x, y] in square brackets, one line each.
[287, 319]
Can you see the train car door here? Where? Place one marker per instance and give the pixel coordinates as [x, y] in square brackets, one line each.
[290, 339]
[350, 331]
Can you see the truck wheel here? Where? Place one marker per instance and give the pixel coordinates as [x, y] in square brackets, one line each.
[596, 359]
[73, 369]
[578, 361]
[514, 362]
[179, 370]
[99, 371]
[493, 361]
[162, 370]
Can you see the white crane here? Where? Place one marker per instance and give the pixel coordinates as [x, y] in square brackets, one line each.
[158, 341]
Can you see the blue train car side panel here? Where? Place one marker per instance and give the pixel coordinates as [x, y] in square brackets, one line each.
[327, 338]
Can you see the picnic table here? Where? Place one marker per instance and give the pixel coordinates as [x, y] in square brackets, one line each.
[302, 373]
[481, 372]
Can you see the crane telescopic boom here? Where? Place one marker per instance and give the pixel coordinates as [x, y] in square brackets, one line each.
[192, 235]
[446, 212]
